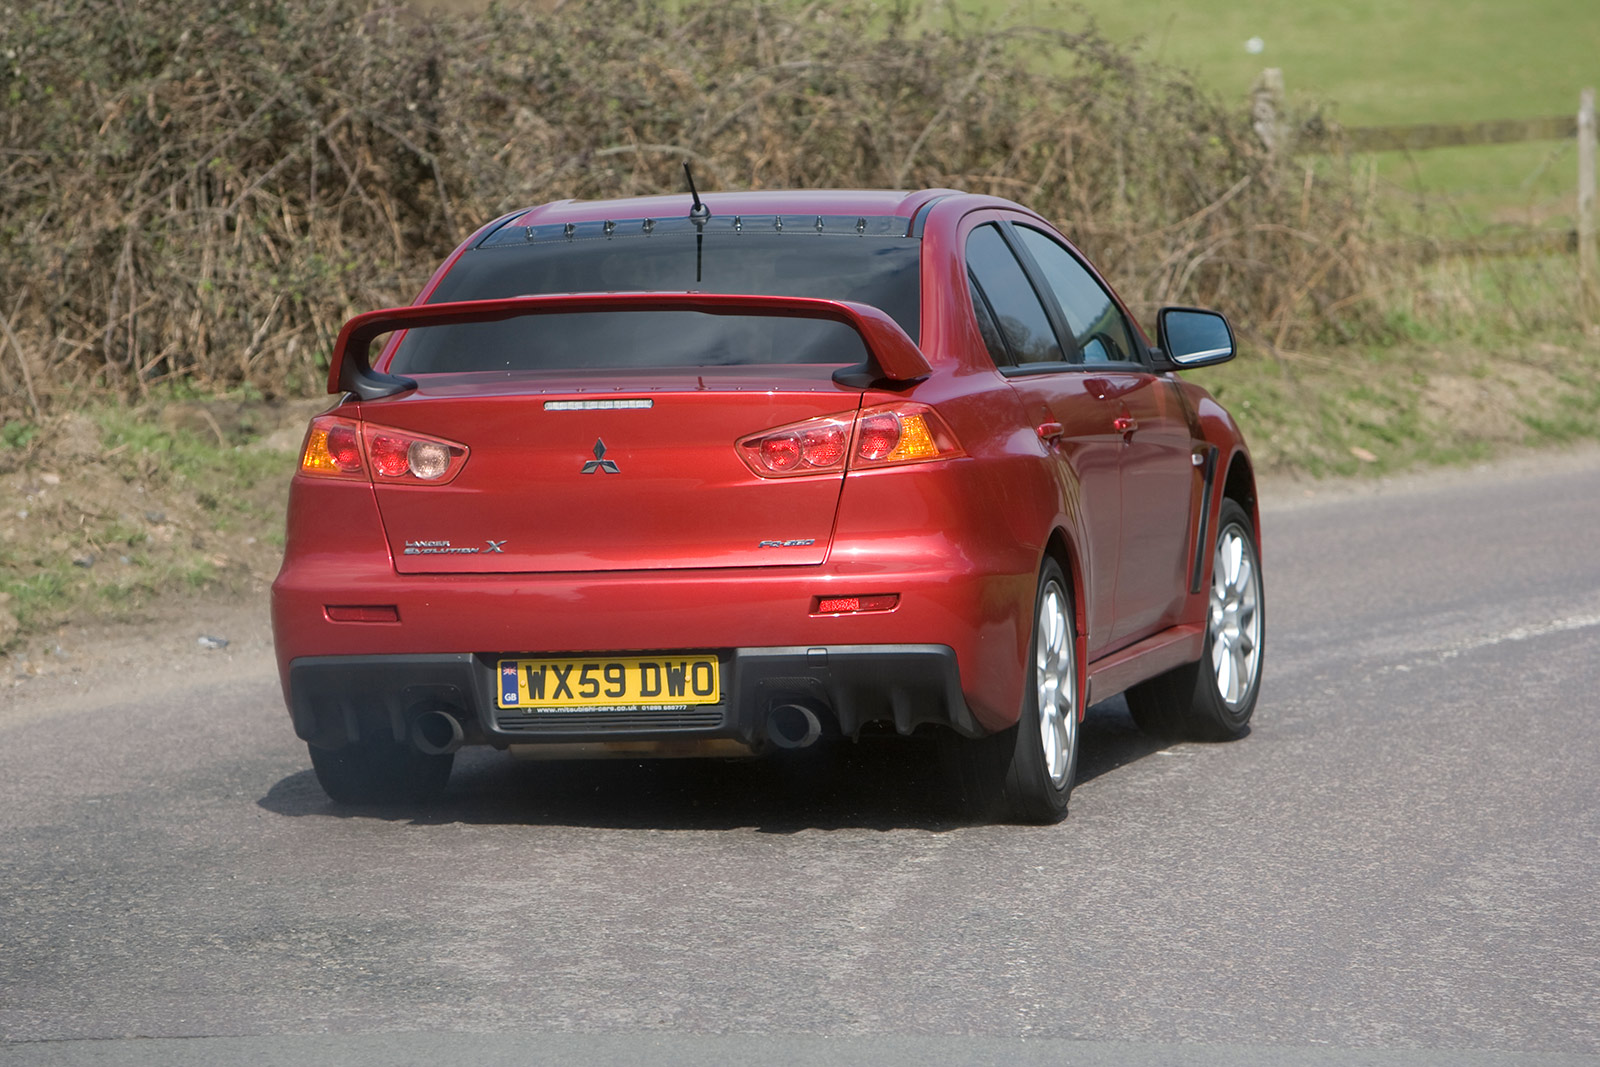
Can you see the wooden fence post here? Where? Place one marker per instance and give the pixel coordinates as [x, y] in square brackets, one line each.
[1267, 112]
[1586, 246]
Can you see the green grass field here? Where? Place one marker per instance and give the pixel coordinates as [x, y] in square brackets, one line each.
[1382, 61]
[1379, 62]
[1484, 354]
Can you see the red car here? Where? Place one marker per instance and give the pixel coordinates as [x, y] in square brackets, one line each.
[668, 476]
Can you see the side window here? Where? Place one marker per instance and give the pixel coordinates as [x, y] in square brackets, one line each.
[1019, 315]
[1093, 317]
[991, 333]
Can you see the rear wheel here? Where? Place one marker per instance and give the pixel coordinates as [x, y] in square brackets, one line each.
[1213, 698]
[380, 772]
[1026, 773]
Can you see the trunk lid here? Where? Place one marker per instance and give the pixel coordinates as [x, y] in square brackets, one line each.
[620, 472]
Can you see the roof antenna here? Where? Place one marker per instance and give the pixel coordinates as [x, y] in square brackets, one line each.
[699, 213]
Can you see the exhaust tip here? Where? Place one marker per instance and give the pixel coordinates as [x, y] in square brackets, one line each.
[793, 726]
[436, 733]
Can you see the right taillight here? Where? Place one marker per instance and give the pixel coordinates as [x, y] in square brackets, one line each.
[881, 436]
[901, 433]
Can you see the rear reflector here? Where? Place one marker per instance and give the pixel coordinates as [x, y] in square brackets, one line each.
[361, 612]
[849, 605]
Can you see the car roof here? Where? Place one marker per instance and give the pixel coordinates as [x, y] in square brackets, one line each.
[867, 202]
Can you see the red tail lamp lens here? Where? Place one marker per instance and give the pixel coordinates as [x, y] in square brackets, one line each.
[389, 456]
[344, 448]
[823, 446]
[849, 605]
[781, 452]
[877, 436]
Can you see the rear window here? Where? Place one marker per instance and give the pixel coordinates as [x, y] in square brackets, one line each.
[881, 271]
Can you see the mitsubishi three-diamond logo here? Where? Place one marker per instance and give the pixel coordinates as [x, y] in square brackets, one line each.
[600, 462]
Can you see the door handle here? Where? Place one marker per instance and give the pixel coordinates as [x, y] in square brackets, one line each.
[1125, 424]
[1050, 431]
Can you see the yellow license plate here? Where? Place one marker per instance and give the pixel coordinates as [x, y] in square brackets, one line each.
[623, 682]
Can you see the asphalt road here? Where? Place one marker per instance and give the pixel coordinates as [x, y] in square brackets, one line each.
[1399, 865]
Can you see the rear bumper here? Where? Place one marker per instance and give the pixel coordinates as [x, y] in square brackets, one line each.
[978, 615]
[338, 699]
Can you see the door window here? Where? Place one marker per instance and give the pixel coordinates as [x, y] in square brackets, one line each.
[986, 327]
[1018, 313]
[1094, 318]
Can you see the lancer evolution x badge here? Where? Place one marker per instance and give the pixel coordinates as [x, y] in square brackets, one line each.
[600, 462]
[445, 548]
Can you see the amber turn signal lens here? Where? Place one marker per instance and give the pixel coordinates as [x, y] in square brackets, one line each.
[904, 432]
[333, 447]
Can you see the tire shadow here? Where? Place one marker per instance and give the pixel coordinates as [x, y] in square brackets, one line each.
[1110, 740]
[878, 783]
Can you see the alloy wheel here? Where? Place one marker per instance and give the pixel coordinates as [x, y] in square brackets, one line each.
[1235, 616]
[1056, 680]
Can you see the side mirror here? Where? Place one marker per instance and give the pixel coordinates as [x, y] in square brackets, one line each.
[1194, 337]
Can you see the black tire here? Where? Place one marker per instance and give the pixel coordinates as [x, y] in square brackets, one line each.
[380, 772]
[1026, 773]
[1210, 699]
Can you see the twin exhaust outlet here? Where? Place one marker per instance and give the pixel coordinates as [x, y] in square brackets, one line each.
[793, 726]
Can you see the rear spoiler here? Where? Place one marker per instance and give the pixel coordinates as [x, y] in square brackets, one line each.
[891, 355]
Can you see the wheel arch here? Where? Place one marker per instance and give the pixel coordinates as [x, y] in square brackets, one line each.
[1240, 487]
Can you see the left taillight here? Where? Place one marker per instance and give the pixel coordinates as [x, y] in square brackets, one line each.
[345, 448]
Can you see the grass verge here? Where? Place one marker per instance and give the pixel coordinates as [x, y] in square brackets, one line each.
[1481, 357]
[109, 508]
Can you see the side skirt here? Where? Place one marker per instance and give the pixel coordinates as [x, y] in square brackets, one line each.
[1155, 655]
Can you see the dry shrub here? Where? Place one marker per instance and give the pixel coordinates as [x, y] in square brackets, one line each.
[201, 193]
